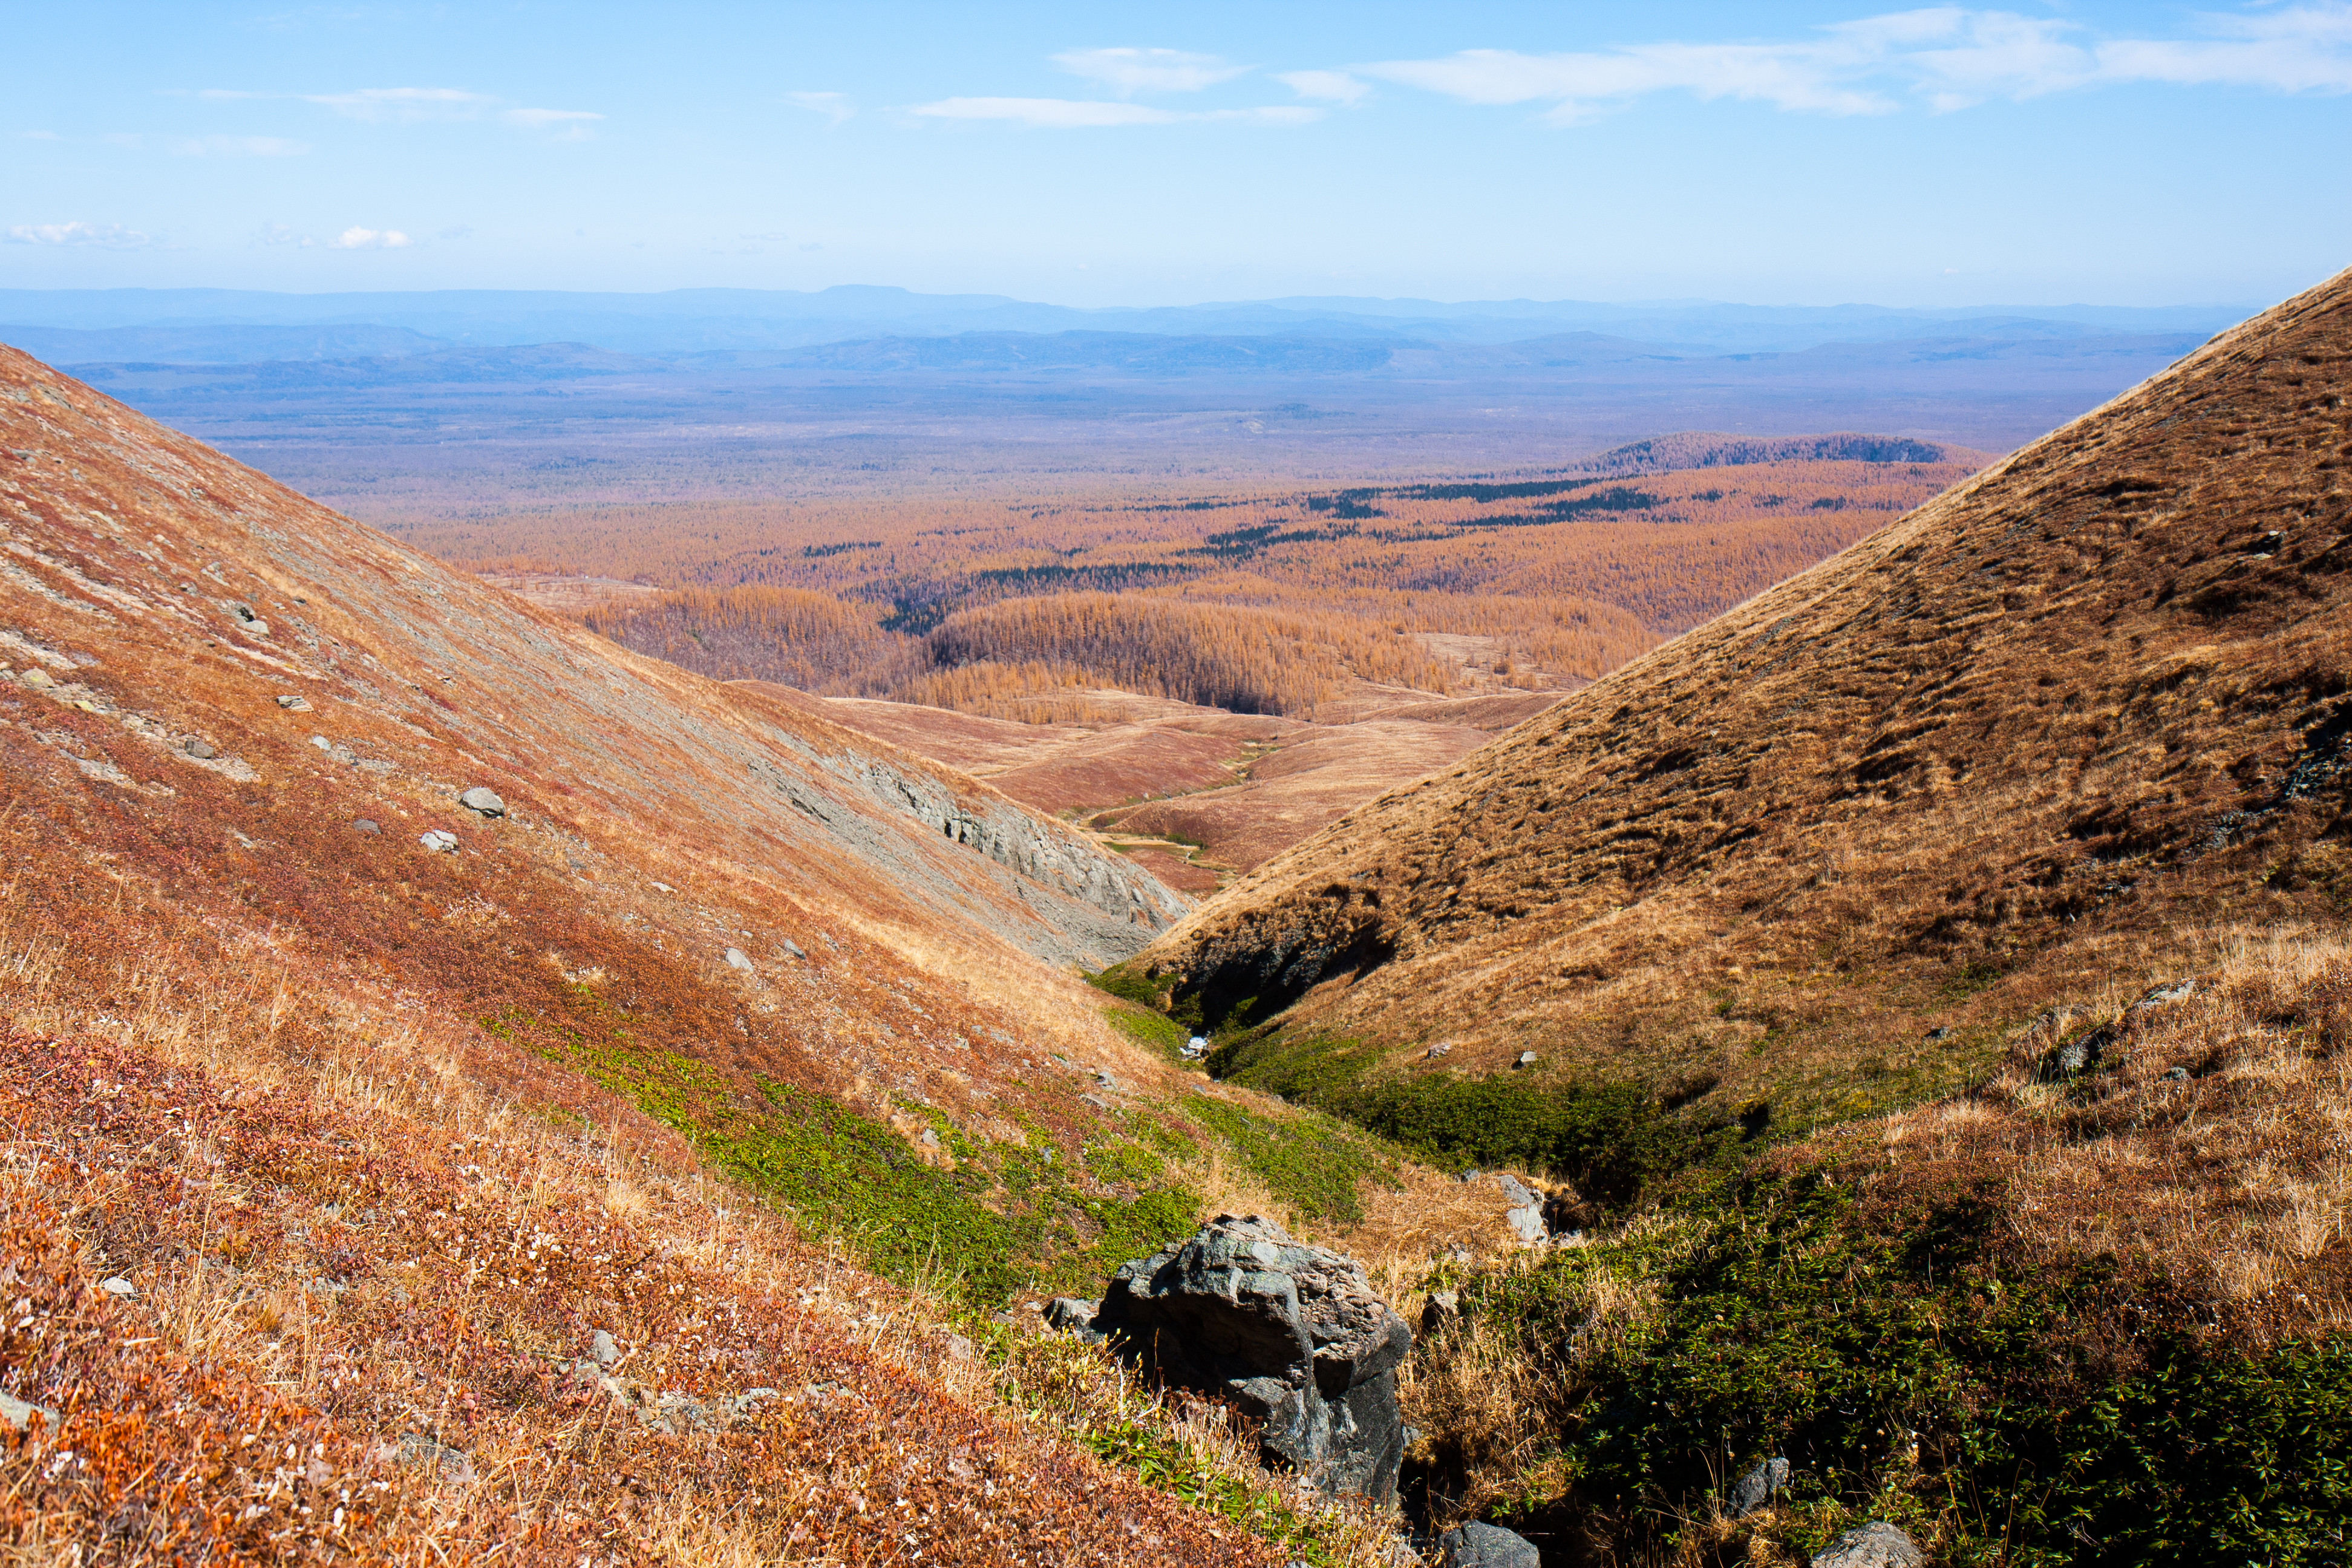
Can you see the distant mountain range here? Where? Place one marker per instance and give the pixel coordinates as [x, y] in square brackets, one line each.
[213, 326]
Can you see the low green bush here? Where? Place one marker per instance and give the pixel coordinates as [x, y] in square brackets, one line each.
[1910, 1366]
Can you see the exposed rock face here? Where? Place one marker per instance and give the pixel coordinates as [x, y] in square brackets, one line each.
[1476, 1545]
[1877, 1544]
[1757, 1487]
[1027, 845]
[1294, 1335]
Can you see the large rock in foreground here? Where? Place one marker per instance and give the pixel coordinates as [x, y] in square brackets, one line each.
[1292, 1334]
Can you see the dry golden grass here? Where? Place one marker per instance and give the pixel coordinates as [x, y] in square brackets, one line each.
[2008, 752]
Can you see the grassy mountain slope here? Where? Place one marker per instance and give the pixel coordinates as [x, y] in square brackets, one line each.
[2043, 739]
[751, 1041]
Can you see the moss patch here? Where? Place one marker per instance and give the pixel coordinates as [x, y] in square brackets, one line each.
[1007, 1218]
[1307, 1162]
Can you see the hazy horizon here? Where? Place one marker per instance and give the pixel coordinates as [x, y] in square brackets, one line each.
[2125, 154]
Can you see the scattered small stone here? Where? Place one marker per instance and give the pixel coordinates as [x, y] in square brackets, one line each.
[1441, 1049]
[738, 959]
[2160, 995]
[931, 1139]
[2178, 1075]
[1877, 1544]
[1071, 1314]
[663, 888]
[1526, 1059]
[792, 948]
[1476, 1545]
[366, 824]
[39, 680]
[2080, 1054]
[440, 841]
[1443, 1306]
[1103, 1080]
[1940, 1032]
[602, 1348]
[198, 749]
[453, 1466]
[1470, 1175]
[1196, 1047]
[117, 1286]
[483, 802]
[18, 1412]
[1758, 1486]
[1094, 1100]
[294, 703]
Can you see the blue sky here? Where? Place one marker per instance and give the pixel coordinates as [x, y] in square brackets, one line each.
[1135, 154]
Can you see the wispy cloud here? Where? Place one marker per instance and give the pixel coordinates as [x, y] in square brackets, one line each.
[1053, 113]
[238, 147]
[424, 105]
[40, 136]
[1946, 58]
[356, 239]
[1331, 87]
[834, 106]
[379, 105]
[1086, 114]
[565, 124]
[1148, 70]
[102, 236]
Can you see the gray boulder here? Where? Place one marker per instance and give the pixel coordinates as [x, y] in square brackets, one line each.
[1293, 1335]
[1877, 1544]
[1758, 1486]
[1476, 1545]
[483, 802]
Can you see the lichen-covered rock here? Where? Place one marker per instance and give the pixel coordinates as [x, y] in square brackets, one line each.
[1293, 1335]
[1877, 1544]
[1476, 1545]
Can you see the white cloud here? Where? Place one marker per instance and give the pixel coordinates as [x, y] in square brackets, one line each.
[1086, 114]
[1798, 76]
[1331, 87]
[1148, 70]
[238, 147]
[1053, 113]
[104, 236]
[357, 238]
[413, 105]
[403, 104]
[1948, 56]
[834, 106]
[278, 234]
[563, 124]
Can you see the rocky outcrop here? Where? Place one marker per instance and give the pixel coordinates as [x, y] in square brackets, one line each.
[1292, 1335]
[1877, 1544]
[1476, 1545]
[1025, 846]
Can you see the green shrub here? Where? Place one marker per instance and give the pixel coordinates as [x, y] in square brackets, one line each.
[1130, 984]
[1007, 1218]
[1612, 1141]
[1310, 1163]
[1148, 1029]
[1905, 1364]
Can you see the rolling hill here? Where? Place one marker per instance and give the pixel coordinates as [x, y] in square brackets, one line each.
[2053, 735]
